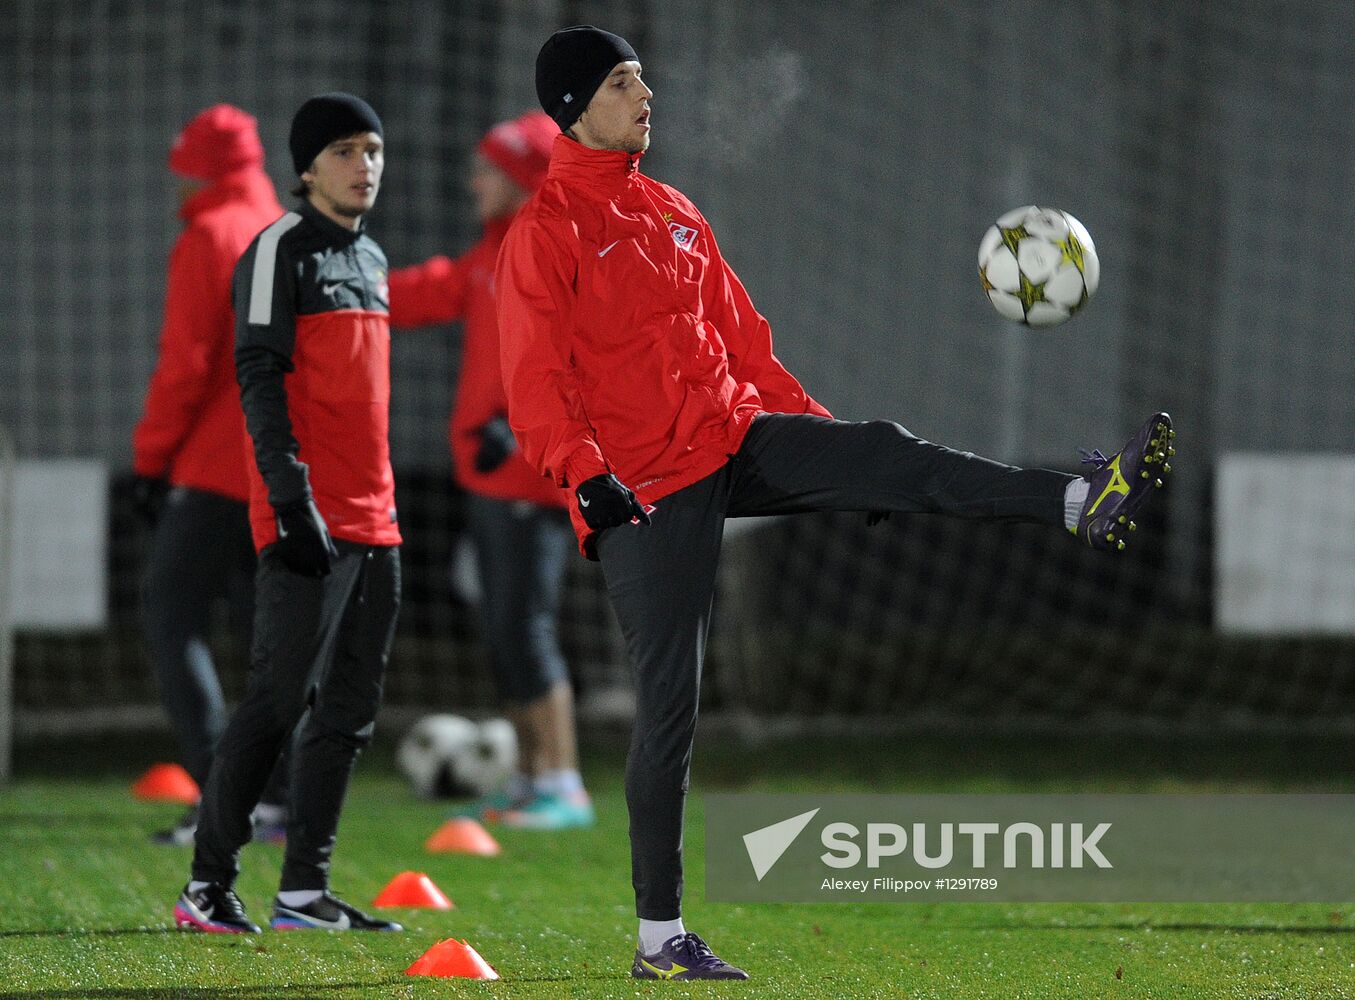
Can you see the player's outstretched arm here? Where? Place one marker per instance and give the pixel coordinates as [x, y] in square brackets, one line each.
[428, 293]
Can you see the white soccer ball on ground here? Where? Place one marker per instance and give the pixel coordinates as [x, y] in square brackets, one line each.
[1038, 265]
[447, 756]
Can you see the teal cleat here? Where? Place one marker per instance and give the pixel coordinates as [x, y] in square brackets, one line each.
[551, 812]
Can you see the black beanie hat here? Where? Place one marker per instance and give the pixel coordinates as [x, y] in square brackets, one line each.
[572, 65]
[325, 118]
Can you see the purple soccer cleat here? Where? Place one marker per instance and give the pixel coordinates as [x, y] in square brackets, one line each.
[681, 958]
[1122, 484]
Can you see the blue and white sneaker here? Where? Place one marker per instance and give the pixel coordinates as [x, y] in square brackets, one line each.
[328, 913]
[681, 958]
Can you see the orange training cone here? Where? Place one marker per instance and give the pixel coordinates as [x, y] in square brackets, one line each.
[166, 783]
[452, 958]
[463, 836]
[414, 890]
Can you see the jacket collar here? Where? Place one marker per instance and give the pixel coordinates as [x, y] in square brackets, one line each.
[249, 184]
[603, 171]
[332, 231]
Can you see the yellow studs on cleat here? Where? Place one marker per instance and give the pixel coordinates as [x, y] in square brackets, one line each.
[1158, 483]
[1171, 451]
[1122, 519]
[1171, 434]
[1143, 474]
[1167, 467]
[1110, 536]
[1120, 547]
[1133, 526]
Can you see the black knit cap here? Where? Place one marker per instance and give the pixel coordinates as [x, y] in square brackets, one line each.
[325, 118]
[572, 65]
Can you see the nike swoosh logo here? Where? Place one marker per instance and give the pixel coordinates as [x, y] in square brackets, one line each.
[1116, 485]
[583, 502]
[608, 248]
[668, 973]
[332, 289]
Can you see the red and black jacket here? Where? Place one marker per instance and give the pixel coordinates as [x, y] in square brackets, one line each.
[312, 356]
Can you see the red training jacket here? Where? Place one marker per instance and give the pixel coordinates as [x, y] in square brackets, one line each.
[192, 430]
[441, 290]
[628, 344]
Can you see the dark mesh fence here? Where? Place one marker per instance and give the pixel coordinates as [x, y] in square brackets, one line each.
[849, 156]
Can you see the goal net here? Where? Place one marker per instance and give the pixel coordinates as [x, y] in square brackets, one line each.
[849, 157]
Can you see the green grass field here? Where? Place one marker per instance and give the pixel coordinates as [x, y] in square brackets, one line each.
[85, 900]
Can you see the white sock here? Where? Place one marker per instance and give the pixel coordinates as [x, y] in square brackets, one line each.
[299, 897]
[268, 814]
[565, 781]
[196, 886]
[1073, 499]
[653, 934]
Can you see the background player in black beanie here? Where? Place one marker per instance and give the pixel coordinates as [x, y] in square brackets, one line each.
[640, 375]
[312, 357]
[323, 121]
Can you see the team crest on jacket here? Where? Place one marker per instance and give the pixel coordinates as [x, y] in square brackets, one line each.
[683, 236]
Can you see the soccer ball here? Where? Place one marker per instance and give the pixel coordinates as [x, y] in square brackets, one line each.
[446, 756]
[1038, 265]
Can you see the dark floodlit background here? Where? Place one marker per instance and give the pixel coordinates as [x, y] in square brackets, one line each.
[849, 156]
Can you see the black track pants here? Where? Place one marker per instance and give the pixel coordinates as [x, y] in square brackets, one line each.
[661, 580]
[200, 553]
[320, 644]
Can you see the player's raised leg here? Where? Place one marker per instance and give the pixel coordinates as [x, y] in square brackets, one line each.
[794, 463]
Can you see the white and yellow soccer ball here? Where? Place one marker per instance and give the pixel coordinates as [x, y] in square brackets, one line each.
[1038, 265]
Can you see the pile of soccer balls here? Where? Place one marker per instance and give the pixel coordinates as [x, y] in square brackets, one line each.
[1038, 265]
[446, 756]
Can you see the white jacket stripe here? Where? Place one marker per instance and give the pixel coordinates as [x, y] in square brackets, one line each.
[265, 260]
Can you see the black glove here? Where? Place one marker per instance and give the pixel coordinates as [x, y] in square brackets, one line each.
[605, 503]
[496, 444]
[874, 517]
[303, 544]
[148, 497]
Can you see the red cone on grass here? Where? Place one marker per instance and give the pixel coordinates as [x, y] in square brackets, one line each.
[166, 783]
[452, 958]
[413, 890]
[462, 836]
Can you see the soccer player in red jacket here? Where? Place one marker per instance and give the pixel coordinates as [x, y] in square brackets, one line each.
[188, 448]
[516, 517]
[640, 376]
